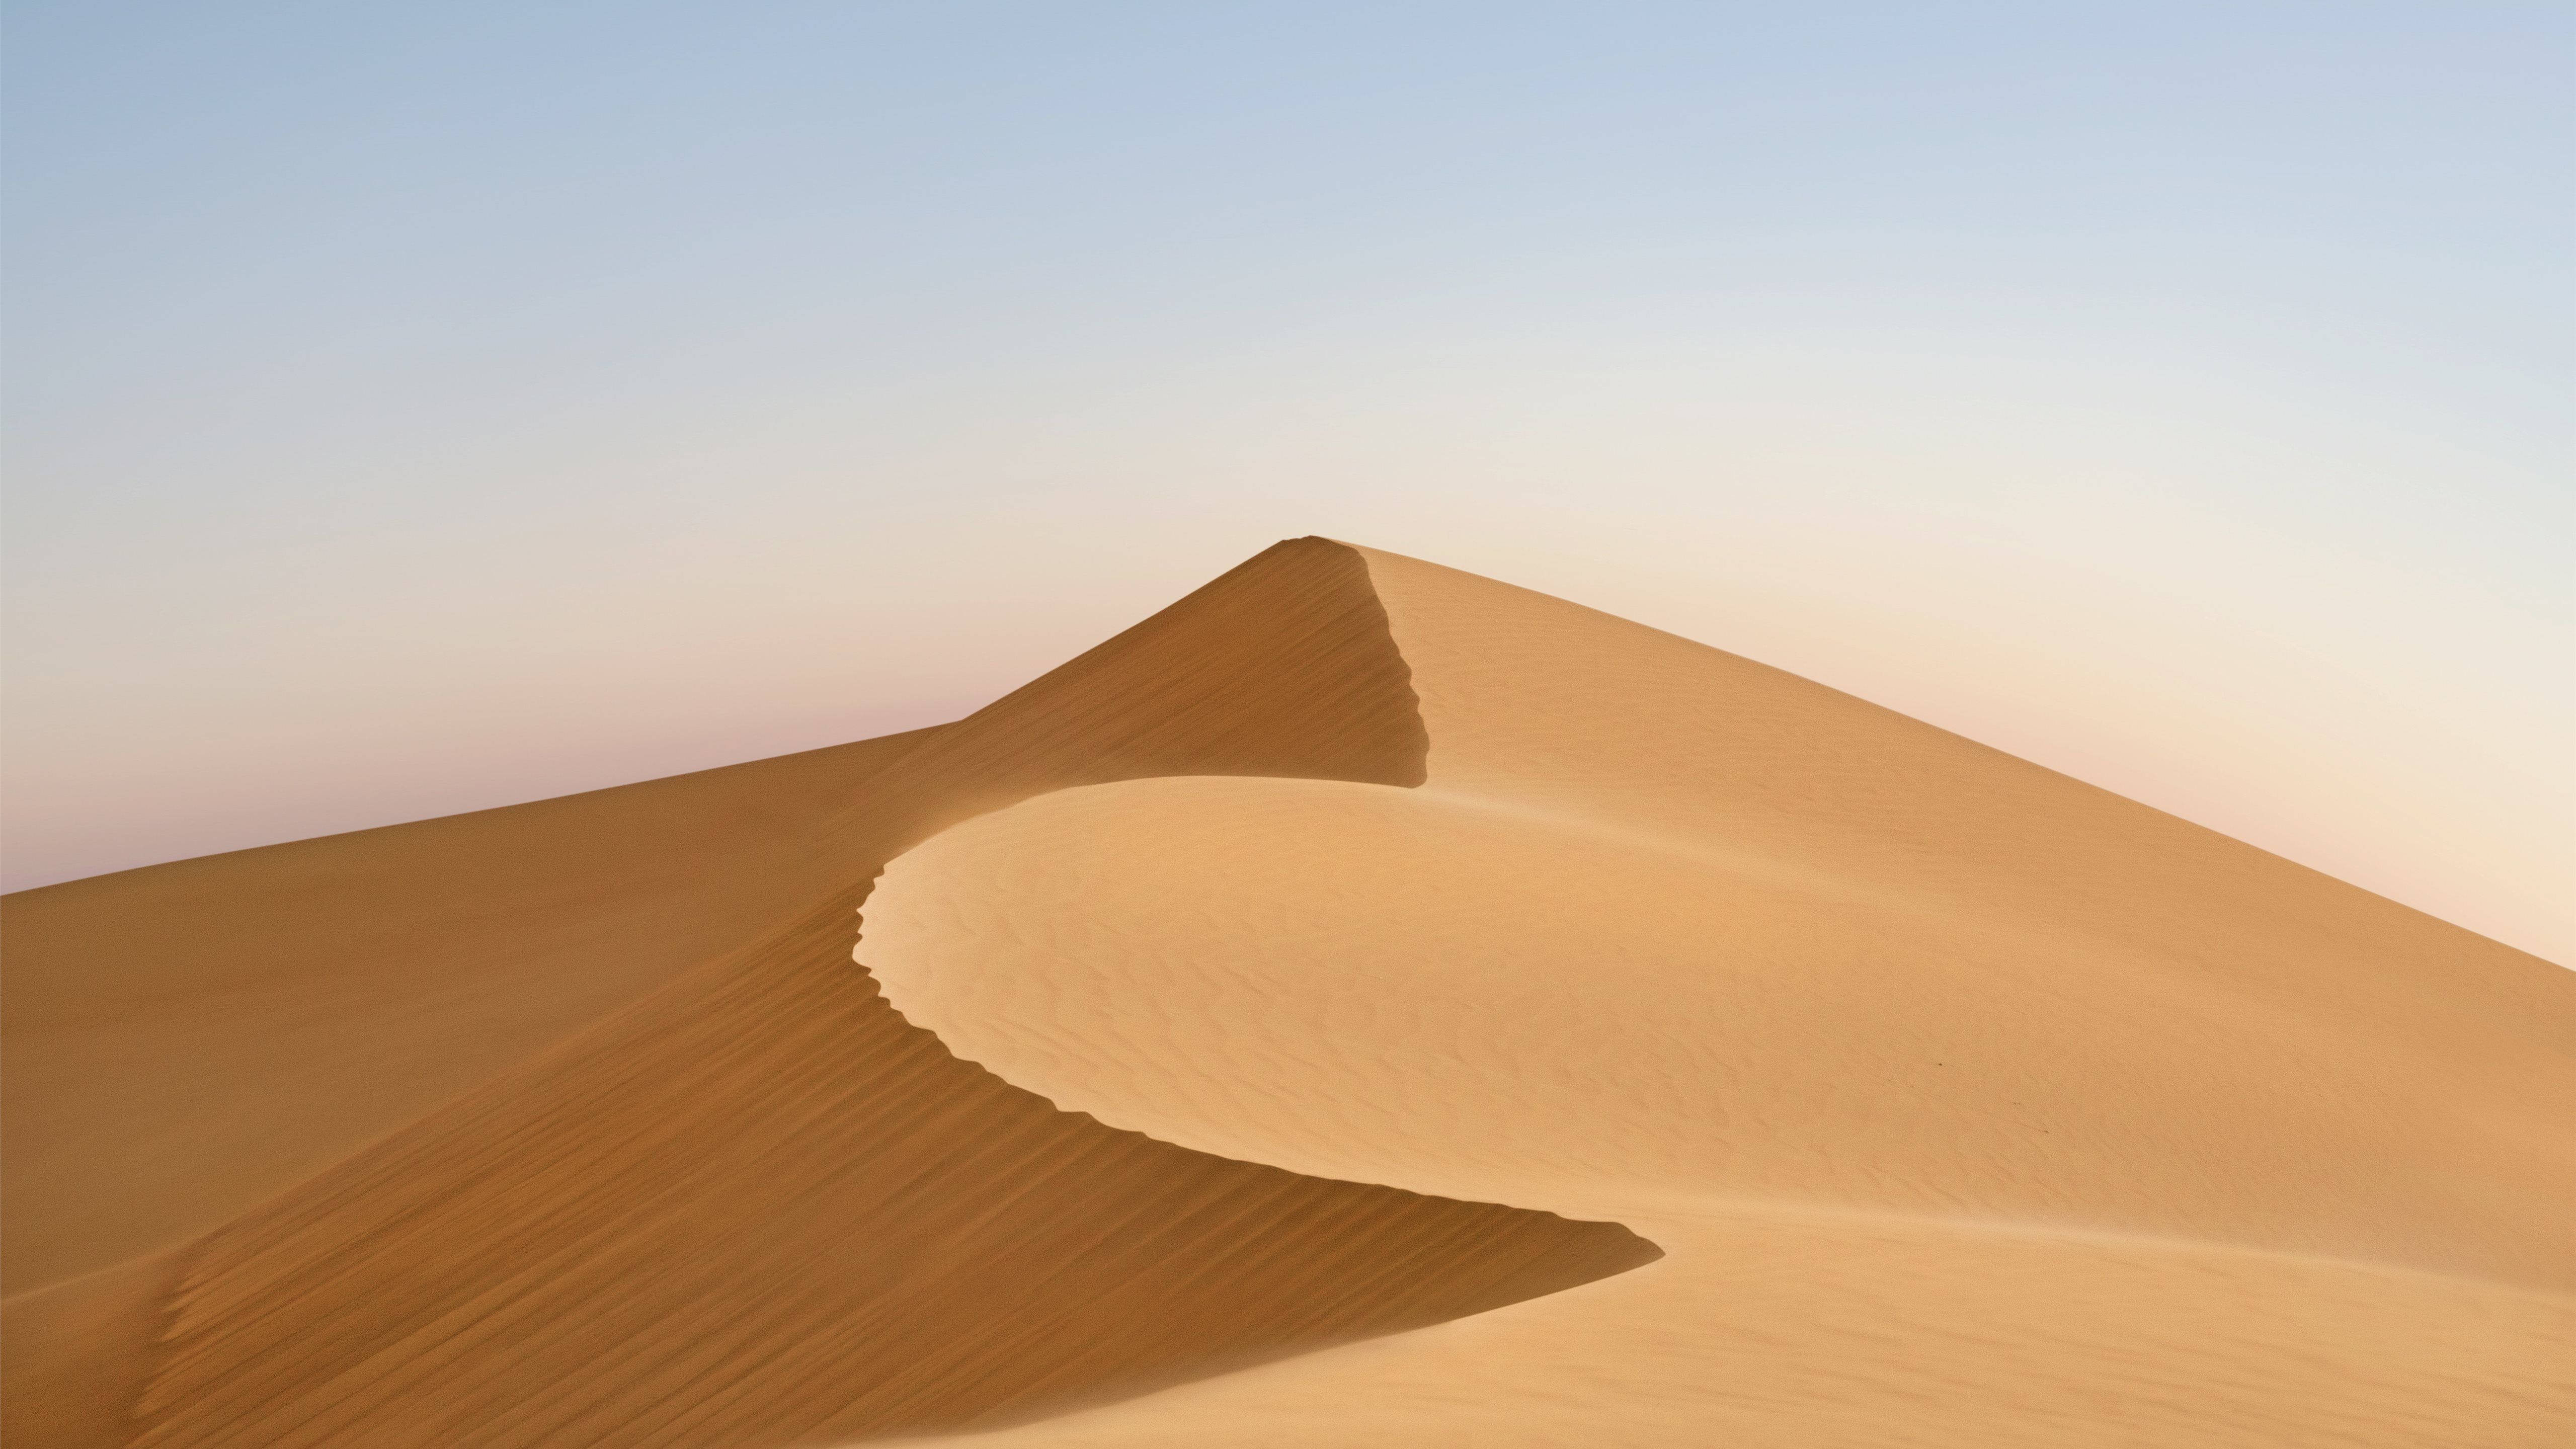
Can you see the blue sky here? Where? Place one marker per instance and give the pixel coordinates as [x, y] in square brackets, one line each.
[417, 408]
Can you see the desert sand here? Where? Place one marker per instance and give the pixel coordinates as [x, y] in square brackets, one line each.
[1364, 1004]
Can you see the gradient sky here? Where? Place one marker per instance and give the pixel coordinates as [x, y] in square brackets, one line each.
[418, 408]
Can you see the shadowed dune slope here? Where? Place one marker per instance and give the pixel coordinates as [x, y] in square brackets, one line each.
[756, 1205]
[184, 1040]
[1281, 667]
[74, 1357]
[760, 1208]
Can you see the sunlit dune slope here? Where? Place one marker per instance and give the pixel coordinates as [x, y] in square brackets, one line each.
[1972, 1104]
[1364, 1004]
[755, 1205]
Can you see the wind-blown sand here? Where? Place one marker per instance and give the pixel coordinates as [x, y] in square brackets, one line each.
[1363, 1004]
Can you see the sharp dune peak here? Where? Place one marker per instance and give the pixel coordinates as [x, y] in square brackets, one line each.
[1362, 1003]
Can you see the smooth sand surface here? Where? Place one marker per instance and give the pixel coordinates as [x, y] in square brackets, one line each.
[1789, 1329]
[1363, 1004]
[1971, 1104]
[1899, 1168]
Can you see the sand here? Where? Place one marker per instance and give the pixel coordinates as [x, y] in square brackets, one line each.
[186, 1040]
[1363, 1004]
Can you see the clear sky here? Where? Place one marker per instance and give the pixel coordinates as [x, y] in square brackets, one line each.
[416, 408]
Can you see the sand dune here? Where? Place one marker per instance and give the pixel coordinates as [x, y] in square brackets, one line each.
[760, 1208]
[1363, 1004]
[1972, 1104]
[187, 1039]
[1402, 986]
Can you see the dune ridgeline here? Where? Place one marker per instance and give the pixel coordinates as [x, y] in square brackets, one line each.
[1363, 1004]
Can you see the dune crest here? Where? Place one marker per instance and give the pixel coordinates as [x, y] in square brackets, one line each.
[254, 1017]
[1362, 1004]
[755, 1205]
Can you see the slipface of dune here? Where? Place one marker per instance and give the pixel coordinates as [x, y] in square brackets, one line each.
[1972, 1104]
[750, 1205]
[760, 1208]
[1363, 1004]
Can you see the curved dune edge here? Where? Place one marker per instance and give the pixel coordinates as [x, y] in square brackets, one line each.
[1785, 1328]
[645, 1234]
[1428, 991]
[1972, 1105]
[755, 1206]
[1397, 987]
[761, 1208]
[258, 1016]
